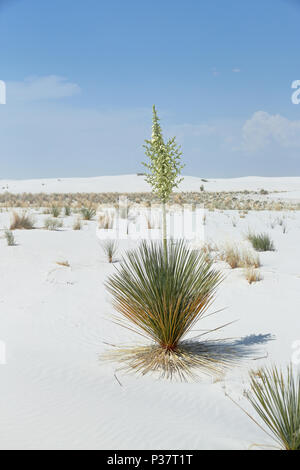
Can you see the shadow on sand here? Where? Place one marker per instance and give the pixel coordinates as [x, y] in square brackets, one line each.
[191, 357]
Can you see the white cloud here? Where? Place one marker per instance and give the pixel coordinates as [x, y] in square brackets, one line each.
[236, 70]
[33, 89]
[264, 129]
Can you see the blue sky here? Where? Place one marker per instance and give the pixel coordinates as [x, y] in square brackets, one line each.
[82, 76]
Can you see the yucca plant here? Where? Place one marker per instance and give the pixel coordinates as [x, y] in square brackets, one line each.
[88, 213]
[261, 242]
[276, 399]
[161, 295]
[110, 248]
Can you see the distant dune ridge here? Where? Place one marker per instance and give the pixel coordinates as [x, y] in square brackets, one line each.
[137, 183]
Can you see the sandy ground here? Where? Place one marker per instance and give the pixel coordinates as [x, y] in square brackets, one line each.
[133, 183]
[57, 394]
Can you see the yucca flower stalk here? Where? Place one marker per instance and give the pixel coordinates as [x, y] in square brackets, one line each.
[161, 295]
[276, 399]
[164, 167]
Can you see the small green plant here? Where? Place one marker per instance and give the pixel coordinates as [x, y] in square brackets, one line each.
[53, 224]
[261, 242]
[55, 211]
[67, 211]
[110, 248]
[21, 222]
[88, 213]
[9, 238]
[276, 399]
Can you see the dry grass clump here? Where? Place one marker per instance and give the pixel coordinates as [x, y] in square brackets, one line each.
[65, 263]
[21, 221]
[252, 275]
[106, 221]
[250, 259]
[161, 295]
[238, 257]
[77, 225]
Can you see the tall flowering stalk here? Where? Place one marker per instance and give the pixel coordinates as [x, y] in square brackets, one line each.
[164, 167]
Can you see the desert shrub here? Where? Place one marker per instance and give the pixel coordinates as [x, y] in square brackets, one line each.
[261, 242]
[9, 236]
[110, 248]
[53, 224]
[161, 295]
[276, 399]
[21, 221]
[77, 225]
[263, 192]
[55, 211]
[88, 213]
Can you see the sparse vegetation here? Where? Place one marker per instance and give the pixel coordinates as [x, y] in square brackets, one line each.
[21, 221]
[261, 242]
[53, 224]
[221, 200]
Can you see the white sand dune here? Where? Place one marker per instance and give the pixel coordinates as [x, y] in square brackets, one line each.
[135, 183]
[57, 394]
